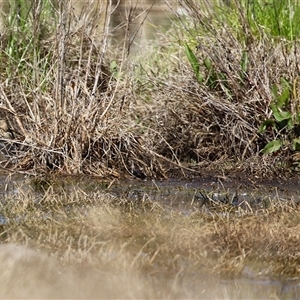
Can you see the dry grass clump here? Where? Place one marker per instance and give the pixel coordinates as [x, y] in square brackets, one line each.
[66, 110]
[211, 114]
[70, 106]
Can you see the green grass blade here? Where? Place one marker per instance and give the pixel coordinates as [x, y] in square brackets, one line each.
[194, 62]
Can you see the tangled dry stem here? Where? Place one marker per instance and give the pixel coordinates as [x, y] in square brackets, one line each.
[79, 116]
[73, 118]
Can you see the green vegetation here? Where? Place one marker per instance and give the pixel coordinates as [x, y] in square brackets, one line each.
[248, 53]
[277, 18]
[286, 123]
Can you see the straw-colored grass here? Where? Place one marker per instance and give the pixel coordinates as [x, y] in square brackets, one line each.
[74, 105]
[215, 121]
[66, 110]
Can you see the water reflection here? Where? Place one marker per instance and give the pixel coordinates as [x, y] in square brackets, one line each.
[29, 273]
[99, 271]
[133, 25]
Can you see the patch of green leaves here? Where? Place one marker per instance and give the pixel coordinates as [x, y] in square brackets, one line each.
[278, 18]
[272, 146]
[193, 60]
[284, 119]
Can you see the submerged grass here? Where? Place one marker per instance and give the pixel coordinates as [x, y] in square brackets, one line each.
[107, 232]
[59, 241]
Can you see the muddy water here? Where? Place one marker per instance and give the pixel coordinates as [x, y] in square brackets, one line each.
[30, 273]
[137, 29]
[133, 25]
[188, 196]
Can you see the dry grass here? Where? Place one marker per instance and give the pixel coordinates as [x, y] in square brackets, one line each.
[73, 116]
[216, 121]
[70, 112]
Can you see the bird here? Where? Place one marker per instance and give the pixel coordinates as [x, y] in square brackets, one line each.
[7, 146]
[5, 132]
